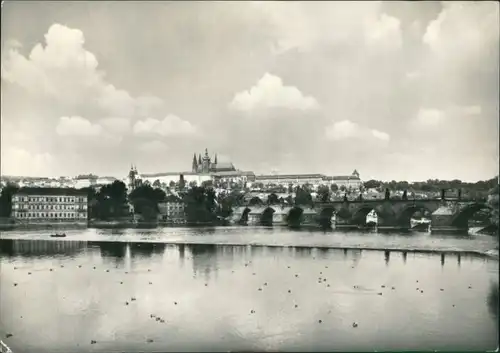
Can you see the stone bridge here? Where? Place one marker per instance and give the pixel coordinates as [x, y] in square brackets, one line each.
[444, 214]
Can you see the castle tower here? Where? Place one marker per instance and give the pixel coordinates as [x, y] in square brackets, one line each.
[132, 177]
[195, 164]
[205, 163]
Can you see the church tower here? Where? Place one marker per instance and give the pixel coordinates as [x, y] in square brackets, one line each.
[205, 163]
[195, 164]
[132, 178]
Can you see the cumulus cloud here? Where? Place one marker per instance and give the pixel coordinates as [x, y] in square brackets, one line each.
[118, 126]
[430, 117]
[77, 126]
[63, 70]
[171, 125]
[270, 92]
[154, 146]
[385, 32]
[304, 26]
[346, 129]
[21, 162]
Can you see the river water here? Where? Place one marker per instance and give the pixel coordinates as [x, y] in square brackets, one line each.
[212, 291]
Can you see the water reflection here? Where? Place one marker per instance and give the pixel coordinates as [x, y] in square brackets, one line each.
[217, 314]
[459, 259]
[442, 259]
[40, 248]
[144, 249]
[492, 301]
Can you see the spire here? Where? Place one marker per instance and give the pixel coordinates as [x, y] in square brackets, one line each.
[199, 159]
[195, 163]
[206, 153]
[215, 159]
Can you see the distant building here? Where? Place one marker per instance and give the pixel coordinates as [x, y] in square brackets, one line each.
[172, 210]
[352, 181]
[50, 204]
[202, 169]
[85, 181]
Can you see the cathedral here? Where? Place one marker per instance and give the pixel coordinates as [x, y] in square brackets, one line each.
[205, 166]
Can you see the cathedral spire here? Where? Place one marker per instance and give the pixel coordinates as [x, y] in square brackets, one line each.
[215, 159]
[195, 163]
[199, 159]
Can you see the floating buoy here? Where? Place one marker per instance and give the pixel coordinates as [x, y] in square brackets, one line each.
[175, 303]
[354, 324]
[383, 286]
[320, 321]
[15, 284]
[289, 291]
[260, 289]
[8, 335]
[296, 306]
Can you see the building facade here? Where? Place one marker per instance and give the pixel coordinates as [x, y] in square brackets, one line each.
[172, 211]
[352, 181]
[50, 205]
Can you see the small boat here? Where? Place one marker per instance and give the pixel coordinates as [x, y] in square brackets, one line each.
[62, 235]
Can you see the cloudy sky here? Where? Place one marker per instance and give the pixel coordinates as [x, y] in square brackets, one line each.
[395, 90]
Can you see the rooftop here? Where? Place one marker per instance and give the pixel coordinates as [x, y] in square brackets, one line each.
[51, 191]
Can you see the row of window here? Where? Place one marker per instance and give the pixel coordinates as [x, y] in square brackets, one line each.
[49, 207]
[50, 215]
[49, 199]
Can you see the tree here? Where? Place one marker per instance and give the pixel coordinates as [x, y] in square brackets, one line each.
[193, 184]
[387, 194]
[6, 199]
[207, 184]
[272, 199]
[334, 187]
[405, 195]
[372, 184]
[145, 200]
[342, 188]
[290, 188]
[324, 193]
[303, 197]
[182, 183]
[200, 205]
[157, 183]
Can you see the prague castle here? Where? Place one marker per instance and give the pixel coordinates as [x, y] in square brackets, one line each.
[204, 165]
[203, 168]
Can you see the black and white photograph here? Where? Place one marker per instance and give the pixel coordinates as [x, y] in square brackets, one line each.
[249, 176]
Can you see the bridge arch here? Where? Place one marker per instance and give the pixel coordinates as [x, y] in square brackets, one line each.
[244, 215]
[295, 216]
[359, 216]
[461, 219]
[255, 201]
[407, 213]
[266, 217]
[325, 216]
